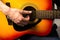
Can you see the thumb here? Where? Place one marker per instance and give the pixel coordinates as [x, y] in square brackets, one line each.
[25, 12]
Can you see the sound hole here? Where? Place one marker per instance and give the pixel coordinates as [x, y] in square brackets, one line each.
[32, 15]
[28, 26]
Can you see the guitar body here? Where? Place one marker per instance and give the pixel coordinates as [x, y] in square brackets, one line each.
[43, 28]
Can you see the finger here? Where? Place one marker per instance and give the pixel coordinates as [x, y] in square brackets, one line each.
[20, 24]
[26, 18]
[22, 20]
[18, 20]
[23, 23]
[25, 12]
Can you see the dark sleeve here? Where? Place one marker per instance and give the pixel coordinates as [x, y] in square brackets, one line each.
[57, 2]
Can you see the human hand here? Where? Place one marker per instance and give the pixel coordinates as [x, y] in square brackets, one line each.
[16, 16]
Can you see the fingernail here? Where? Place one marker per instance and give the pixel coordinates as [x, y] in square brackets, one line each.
[30, 11]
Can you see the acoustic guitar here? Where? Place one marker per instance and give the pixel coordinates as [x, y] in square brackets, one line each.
[42, 10]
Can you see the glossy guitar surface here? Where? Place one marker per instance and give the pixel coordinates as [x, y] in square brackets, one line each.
[43, 28]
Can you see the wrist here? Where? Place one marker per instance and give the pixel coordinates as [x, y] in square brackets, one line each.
[5, 9]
